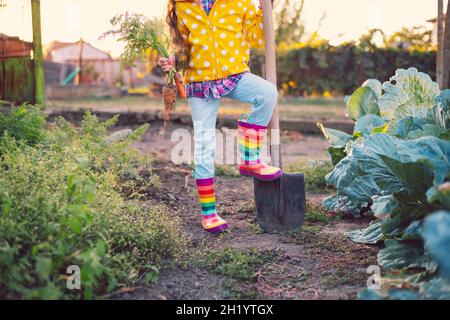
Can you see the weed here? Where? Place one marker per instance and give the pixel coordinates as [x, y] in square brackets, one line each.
[309, 228]
[248, 206]
[314, 172]
[232, 289]
[221, 170]
[226, 171]
[236, 264]
[255, 228]
[317, 213]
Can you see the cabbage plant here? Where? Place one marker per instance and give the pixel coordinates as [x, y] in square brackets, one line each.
[396, 167]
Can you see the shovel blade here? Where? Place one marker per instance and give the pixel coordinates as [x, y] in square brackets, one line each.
[281, 204]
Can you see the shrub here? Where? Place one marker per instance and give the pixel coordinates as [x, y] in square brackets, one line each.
[61, 205]
[316, 69]
[24, 123]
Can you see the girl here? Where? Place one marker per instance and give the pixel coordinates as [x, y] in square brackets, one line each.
[214, 38]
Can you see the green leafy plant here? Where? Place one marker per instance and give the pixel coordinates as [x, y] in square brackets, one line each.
[433, 284]
[139, 35]
[441, 110]
[382, 170]
[403, 106]
[365, 100]
[61, 204]
[142, 35]
[26, 123]
[397, 167]
[408, 93]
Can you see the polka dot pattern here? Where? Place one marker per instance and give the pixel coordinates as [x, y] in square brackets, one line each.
[219, 42]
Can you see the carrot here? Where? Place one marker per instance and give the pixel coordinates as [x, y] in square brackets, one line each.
[140, 34]
[179, 82]
[169, 93]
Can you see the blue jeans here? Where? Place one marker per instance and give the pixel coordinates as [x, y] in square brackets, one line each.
[261, 93]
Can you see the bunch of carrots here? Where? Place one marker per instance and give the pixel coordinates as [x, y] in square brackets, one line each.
[139, 35]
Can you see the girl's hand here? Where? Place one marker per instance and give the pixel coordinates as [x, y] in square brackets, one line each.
[167, 64]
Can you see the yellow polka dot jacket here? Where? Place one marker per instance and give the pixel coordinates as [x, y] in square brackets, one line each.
[219, 42]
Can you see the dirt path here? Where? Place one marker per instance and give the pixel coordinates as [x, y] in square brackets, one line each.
[316, 263]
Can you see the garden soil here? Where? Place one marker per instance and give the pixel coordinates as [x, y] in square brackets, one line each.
[318, 262]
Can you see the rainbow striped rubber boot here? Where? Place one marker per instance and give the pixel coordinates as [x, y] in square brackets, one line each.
[250, 138]
[210, 219]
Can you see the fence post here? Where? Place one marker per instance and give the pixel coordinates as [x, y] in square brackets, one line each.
[39, 75]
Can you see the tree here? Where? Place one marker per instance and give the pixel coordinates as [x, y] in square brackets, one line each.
[446, 50]
[288, 20]
[440, 31]
[368, 41]
[443, 54]
[415, 38]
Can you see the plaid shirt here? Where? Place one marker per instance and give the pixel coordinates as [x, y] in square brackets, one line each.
[214, 88]
[207, 5]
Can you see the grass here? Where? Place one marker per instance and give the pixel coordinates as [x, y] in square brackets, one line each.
[140, 103]
[223, 170]
[316, 213]
[248, 206]
[255, 228]
[314, 172]
[236, 264]
[311, 108]
[311, 228]
[232, 289]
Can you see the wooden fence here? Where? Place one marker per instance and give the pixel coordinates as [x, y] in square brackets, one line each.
[17, 83]
[17, 80]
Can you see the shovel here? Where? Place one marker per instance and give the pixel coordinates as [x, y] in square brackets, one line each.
[280, 204]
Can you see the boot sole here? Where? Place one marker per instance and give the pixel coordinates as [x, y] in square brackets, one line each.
[271, 177]
[218, 229]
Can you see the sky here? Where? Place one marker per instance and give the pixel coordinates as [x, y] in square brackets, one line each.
[68, 20]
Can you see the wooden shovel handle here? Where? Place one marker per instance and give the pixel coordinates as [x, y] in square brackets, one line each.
[271, 75]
